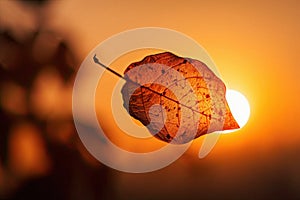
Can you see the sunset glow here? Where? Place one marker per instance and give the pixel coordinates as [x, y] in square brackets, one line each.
[239, 107]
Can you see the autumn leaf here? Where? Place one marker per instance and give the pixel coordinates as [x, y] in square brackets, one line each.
[178, 99]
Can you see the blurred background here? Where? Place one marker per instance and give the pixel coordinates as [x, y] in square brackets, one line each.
[255, 45]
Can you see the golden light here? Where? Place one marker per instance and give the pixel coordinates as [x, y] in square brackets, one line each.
[239, 107]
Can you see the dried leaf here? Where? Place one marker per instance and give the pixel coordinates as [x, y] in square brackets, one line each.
[178, 99]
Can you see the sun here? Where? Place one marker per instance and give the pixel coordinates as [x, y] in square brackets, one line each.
[239, 107]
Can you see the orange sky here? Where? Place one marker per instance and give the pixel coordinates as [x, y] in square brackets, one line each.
[255, 45]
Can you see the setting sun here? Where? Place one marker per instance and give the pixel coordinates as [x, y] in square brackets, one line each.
[239, 107]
